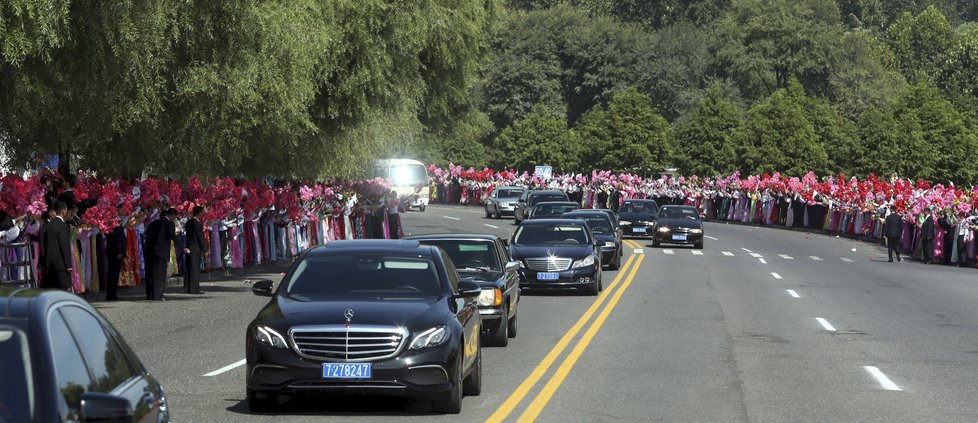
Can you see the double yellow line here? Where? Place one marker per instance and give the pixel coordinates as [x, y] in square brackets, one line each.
[630, 268]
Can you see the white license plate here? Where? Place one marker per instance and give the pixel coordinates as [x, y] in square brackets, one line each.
[347, 371]
[548, 276]
[639, 230]
[679, 237]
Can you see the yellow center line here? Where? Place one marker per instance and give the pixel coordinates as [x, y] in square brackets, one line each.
[533, 411]
[507, 407]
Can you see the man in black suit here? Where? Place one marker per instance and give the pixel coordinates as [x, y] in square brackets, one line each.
[115, 250]
[892, 230]
[68, 197]
[56, 263]
[159, 237]
[927, 236]
[193, 251]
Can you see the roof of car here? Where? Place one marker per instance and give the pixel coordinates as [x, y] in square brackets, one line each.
[557, 203]
[640, 200]
[511, 187]
[678, 207]
[551, 221]
[436, 237]
[546, 191]
[587, 212]
[19, 302]
[390, 246]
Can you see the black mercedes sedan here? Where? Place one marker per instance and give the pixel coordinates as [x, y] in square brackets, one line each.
[378, 316]
[484, 259]
[552, 209]
[502, 201]
[637, 217]
[605, 232]
[678, 225]
[62, 361]
[531, 198]
[558, 253]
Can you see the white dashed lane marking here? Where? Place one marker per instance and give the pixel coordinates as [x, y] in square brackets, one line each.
[881, 378]
[727, 253]
[825, 324]
[452, 218]
[710, 237]
[793, 294]
[763, 261]
[697, 253]
[225, 368]
[816, 258]
[746, 250]
[776, 276]
[668, 252]
[492, 226]
[786, 257]
[847, 260]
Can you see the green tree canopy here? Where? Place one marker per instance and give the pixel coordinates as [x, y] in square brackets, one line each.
[704, 140]
[541, 139]
[629, 136]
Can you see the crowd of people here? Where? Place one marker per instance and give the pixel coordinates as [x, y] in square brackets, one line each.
[87, 234]
[934, 223]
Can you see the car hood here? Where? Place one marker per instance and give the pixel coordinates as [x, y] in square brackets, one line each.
[605, 237]
[484, 279]
[521, 252]
[285, 312]
[637, 217]
[681, 223]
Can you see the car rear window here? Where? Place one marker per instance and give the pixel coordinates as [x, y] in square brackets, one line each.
[547, 197]
[367, 274]
[598, 224]
[679, 213]
[509, 193]
[17, 388]
[639, 207]
[470, 255]
[552, 234]
[552, 210]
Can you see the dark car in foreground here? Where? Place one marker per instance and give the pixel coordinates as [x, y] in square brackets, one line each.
[382, 316]
[552, 209]
[678, 225]
[557, 253]
[484, 259]
[605, 232]
[637, 217]
[502, 201]
[60, 360]
[532, 198]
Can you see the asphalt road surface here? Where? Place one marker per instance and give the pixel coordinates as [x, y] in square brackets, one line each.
[762, 325]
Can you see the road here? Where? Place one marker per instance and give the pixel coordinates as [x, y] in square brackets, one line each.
[765, 325]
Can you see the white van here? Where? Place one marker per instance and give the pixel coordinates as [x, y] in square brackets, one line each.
[408, 178]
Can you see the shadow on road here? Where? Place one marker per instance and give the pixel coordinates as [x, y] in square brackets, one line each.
[342, 404]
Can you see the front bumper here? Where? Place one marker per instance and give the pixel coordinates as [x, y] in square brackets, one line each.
[583, 277]
[667, 238]
[421, 201]
[637, 230]
[491, 316]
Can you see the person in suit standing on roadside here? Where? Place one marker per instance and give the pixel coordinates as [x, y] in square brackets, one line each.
[115, 251]
[193, 251]
[159, 238]
[927, 237]
[56, 262]
[892, 230]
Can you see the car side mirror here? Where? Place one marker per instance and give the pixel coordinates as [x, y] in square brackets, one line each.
[105, 408]
[514, 266]
[262, 288]
[469, 290]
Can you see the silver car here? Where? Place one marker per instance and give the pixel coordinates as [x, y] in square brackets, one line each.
[502, 201]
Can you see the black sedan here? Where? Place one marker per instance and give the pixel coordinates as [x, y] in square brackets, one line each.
[62, 361]
[552, 209]
[367, 316]
[558, 253]
[531, 198]
[678, 225]
[637, 217]
[485, 260]
[502, 201]
[605, 232]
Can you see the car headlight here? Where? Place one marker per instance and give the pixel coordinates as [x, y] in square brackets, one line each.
[270, 338]
[624, 222]
[663, 229]
[695, 231]
[585, 262]
[491, 297]
[430, 338]
[610, 244]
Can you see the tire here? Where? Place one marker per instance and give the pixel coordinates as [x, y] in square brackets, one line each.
[488, 215]
[600, 283]
[499, 337]
[498, 215]
[513, 325]
[257, 404]
[699, 245]
[422, 208]
[594, 288]
[655, 242]
[615, 265]
[451, 402]
[472, 386]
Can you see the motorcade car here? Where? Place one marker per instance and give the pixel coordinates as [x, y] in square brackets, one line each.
[409, 180]
[638, 217]
[502, 201]
[552, 209]
[485, 260]
[678, 225]
[372, 316]
[531, 198]
[605, 232]
[63, 362]
[558, 254]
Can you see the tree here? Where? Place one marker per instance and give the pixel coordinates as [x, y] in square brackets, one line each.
[704, 140]
[889, 145]
[862, 79]
[958, 77]
[659, 13]
[627, 136]
[674, 67]
[920, 42]
[952, 142]
[541, 139]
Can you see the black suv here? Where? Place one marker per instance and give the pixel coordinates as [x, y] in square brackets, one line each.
[532, 198]
[62, 361]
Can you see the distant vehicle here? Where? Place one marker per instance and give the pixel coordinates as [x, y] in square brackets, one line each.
[531, 198]
[485, 260]
[637, 217]
[62, 361]
[558, 253]
[502, 201]
[678, 225]
[408, 178]
[605, 231]
[552, 209]
[373, 316]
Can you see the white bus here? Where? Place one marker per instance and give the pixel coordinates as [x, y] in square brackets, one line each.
[408, 178]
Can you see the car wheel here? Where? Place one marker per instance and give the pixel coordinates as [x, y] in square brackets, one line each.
[616, 264]
[488, 215]
[594, 288]
[260, 402]
[699, 245]
[421, 208]
[600, 283]
[499, 337]
[655, 243]
[498, 215]
[451, 401]
[513, 326]
[473, 384]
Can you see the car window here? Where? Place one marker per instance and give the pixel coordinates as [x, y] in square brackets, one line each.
[451, 271]
[72, 374]
[639, 207]
[108, 365]
[364, 274]
[552, 234]
[469, 255]
[503, 253]
[508, 193]
[17, 388]
[679, 213]
[598, 224]
[547, 197]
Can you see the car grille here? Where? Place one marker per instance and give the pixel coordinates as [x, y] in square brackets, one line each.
[356, 343]
[548, 264]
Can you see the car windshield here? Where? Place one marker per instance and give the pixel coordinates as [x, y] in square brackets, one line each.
[17, 389]
[552, 210]
[598, 224]
[547, 197]
[470, 256]
[552, 234]
[407, 175]
[639, 207]
[509, 193]
[365, 273]
[679, 213]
